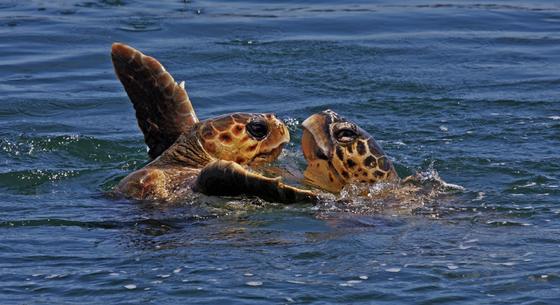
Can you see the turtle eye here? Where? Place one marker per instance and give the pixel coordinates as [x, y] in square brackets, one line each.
[257, 129]
[345, 135]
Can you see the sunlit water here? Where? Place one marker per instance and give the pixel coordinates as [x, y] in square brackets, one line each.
[468, 88]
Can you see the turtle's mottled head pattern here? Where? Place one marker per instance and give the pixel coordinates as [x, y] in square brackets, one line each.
[339, 152]
[246, 138]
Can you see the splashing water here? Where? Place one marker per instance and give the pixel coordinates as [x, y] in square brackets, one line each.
[425, 188]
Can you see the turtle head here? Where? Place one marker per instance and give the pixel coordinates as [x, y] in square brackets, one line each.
[339, 152]
[246, 138]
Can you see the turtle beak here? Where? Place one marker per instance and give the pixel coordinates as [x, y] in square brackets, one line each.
[317, 145]
[316, 140]
[283, 136]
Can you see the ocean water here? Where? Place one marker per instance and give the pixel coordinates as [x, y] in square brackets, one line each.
[465, 89]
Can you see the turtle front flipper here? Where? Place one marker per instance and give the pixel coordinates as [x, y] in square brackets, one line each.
[163, 108]
[227, 178]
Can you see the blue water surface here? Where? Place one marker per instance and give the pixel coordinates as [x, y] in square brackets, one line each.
[470, 88]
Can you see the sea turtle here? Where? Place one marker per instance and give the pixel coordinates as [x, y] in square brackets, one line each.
[339, 152]
[191, 155]
[344, 159]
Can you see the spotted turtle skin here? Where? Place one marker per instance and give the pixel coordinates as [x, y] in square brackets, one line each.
[339, 152]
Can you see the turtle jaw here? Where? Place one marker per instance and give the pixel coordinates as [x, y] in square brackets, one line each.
[316, 139]
[268, 156]
[316, 145]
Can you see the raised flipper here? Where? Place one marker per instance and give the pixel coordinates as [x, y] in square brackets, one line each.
[227, 178]
[163, 108]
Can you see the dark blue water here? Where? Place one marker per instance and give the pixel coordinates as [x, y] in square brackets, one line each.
[468, 87]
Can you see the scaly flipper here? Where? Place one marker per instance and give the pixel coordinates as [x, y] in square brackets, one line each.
[163, 108]
[227, 178]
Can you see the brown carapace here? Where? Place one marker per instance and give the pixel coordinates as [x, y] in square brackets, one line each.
[338, 152]
[188, 154]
